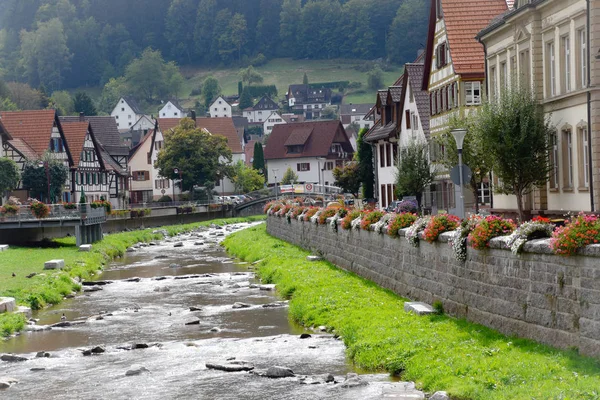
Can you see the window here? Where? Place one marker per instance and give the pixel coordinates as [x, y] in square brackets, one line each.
[224, 109]
[411, 95]
[129, 116]
[383, 193]
[415, 121]
[503, 75]
[472, 93]
[566, 63]
[584, 158]
[328, 165]
[550, 70]
[395, 152]
[116, 117]
[493, 87]
[162, 183]
[431, 103]
[407, 118]
[381, 156]
[438, 101]
[554, 161]
[483, 193]
[141, 175]
[567, 149]
[295, 149]
[582, 59]
[303, 167]
[388, 154]
[122, 108]
[524, 67]
[335, 148]
[440, 55]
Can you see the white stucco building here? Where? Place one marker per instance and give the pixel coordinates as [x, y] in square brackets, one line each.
[220, 108]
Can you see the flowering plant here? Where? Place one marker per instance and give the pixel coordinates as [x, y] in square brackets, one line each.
[340, 214]
[370, 218]
[412, 235]
[406, 206]
[459, 240]
[439, 224]
[527, 231]
[268, 206]
[283, 210]
[400, 221]
[539, 218]
[488, 228]
[9, 209]
[350, 216]
[39, 209]
[578, 232]
[308, 214]
[101, 203]
[383, 222]
[327, 213]
[70, 206]
[296, 211]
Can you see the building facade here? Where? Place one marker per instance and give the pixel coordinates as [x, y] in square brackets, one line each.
[220, 108]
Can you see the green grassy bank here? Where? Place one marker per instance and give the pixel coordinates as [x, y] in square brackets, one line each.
[438, 352]
[50, 287]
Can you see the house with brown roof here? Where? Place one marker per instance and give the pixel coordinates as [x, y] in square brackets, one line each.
[261, 110]
[454, 74]
[356, 114]
[34, 134]
[141, 184]
[311, 149]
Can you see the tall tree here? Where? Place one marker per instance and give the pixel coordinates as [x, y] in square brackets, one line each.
[414, 173]
[267, 29]
[9, 175]
[180, 23]
[201, 157]
[517, 136]
[89, 59]
[246, 179]
[250, 75]
[258, 162]
[45, 56]
[348, 178]
[364, 156]
[408, 31]
[203, 30]
[23, 96]
[36, 180]
[62, 102]
[210, 90]
[291, 11]
[245, 99]
[82, 103]
[150, 77]
[234, 38]
[289, 177]
[111, 93]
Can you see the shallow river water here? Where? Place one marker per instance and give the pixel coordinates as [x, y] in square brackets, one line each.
[153, 310]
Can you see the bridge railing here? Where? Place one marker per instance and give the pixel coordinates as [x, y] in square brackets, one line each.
[57, 212]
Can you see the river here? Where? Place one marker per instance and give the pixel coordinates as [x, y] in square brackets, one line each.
[146, 303]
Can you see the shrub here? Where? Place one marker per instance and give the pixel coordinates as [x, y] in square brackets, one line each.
[310, 212]
[370, 218]
[490, 227]
[139, 213]
[165, 199]
[185, 209]
[439, 224]
[327, 213]
[39, 209]
[406, 206]
[268, 206]
[102, 203]
[9, 209]
[578, 232]
[297, 211]
[351, 216]
[401, 221]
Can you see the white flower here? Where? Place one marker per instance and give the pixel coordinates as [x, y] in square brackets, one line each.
[412, 234]
[519, 237]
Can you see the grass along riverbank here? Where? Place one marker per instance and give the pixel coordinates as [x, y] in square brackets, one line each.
[50, 287]
[437, 352]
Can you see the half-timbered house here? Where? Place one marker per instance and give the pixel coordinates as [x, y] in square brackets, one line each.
[34, 134]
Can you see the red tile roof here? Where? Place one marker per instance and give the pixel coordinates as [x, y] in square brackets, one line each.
[166, 124]
[23, 148]
[464, 20]
[299, 136]
[3, 133]
[323, 134]
[75, 134]
[33, 127]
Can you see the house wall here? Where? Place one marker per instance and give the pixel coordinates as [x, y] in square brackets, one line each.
[271, 121]
[220, 109]
[548, 298]
[143, 124]
[257, 115]
[226, 186]
[162, 186]
[314, 175]
[170, 111]
[124, 115]
[386, 174]
[360, 120]
[139, 162]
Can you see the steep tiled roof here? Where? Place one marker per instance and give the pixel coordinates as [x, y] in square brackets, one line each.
[355, 109]
[224, 127]
[166, 124]
[3, 133]
[396, 93]
[33, 127]
[324, 133]
[382, 96]
[293, 118]
[133, 104]
[23, 148]
[75, 134]
[106, 133]
[111, 164]
[299, 136]
[464, 20]
[415, 77]
[381, 132]
[249, 151]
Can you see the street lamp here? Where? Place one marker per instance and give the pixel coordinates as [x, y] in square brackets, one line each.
[275, 171]
[459, 137]
[44, 164]
[177, 171]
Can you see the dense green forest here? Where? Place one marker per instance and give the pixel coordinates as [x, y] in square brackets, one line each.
[62, 44]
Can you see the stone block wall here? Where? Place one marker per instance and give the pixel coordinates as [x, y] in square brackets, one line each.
[537, 295]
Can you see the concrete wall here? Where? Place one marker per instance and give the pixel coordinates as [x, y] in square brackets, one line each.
[551, 299]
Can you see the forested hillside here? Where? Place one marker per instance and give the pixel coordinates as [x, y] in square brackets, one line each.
[71, 43]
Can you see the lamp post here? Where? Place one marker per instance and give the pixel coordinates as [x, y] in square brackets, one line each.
[459, 137]
[44, 164]
[275, 171]
[177, 171]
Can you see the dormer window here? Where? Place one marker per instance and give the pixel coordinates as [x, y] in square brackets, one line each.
[335, 148]
[295, 149]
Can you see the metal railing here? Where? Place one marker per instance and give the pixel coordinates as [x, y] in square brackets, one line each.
[57, 212]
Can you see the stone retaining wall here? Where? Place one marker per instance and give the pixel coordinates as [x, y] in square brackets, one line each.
[538, 295]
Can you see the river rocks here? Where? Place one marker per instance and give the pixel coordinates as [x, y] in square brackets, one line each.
[7, 304]
[230, 366]
[353, 380]
[136, 370]
[240, 305]
[161, 256]
[215, 329]
[195, 309]
[178, 244]
[279, 372]
[96, 283]
[87, 289]
[94, 350]
[162, 289]
[42, 354]
[198, 243]
[136, 279]
[159, 278]
[54, 264]
[195, 322]
[6, 382]
[130, 250]
[67, 324]
[305, 336]
[37, 369]
[12, 358]
[37, 328]
[313, 258]
[440, 396]
[267, 287]
[137, 346]
[419, 308]
[317, 379]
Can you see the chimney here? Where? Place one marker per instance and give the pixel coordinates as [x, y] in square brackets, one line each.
[81, 117]
[194, 115]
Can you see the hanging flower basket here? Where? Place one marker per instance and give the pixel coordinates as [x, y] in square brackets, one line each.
[39, 209]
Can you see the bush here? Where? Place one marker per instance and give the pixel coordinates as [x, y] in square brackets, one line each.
[139, 213]
[490, 227]
[69, 206]
[9, 209]
[578, 232]
[407, 206]
[39, 209]
[439, 224]
[185, 210]
[259, 60]
[165, 199]
[102, 203]
[401, 221]
[370, 218]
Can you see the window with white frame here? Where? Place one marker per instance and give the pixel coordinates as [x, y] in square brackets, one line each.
[567, 150]
[566, 63]
[303, 167]
[584, 157]
[484, 193]
[503, 74]
[554, 161]
[582, 58]
[472, 93]
[550, 69]
[415, 121]
[524, 67]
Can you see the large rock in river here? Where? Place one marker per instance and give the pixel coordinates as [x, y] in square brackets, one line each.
[230, 366]
[279, 372]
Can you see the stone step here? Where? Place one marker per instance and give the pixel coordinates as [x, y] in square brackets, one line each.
[3, 247]
[54, 264]
[7, 304]
[419, 308]
[85, 247]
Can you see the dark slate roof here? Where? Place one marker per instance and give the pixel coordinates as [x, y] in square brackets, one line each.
[265, 103]
[382, 96]
[135, 106]
[396, 93]
[308, 94]
[415, 77]
[355, 109]
[176, 104]
[381, 132]
[106, 133]
[240, 122]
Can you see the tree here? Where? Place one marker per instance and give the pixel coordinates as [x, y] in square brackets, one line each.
[250, 76]
[329, 112]
[36, 181]
[258, 162]
[289, 176]
[375, 78]
[348, 178]
[305, 79]
[414, 173]
[210, 89]
[180, 22]
[408, 31]
[291, 11]
[475, 154]
[149, 77]
[246, 179]
[204, 29]
[245, 99]
[9, 175]
[83, 103]
[24, 97]
[517, 137]
[114, 89]
[364, 156]
[202, 158]
[63, 102]
[233, 39]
